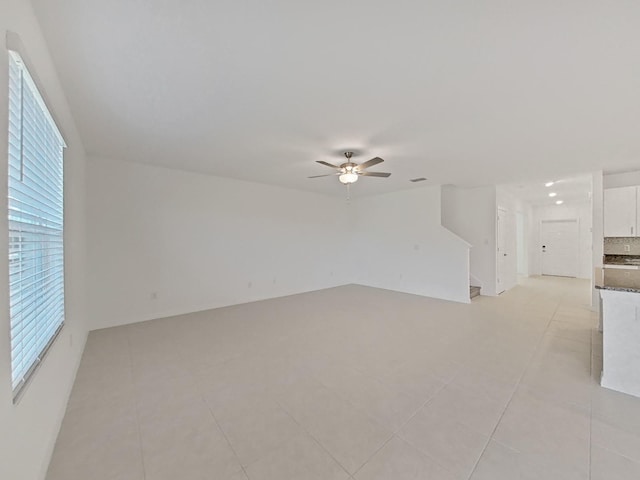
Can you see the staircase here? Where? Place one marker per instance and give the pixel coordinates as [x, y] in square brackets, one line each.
[474, 291]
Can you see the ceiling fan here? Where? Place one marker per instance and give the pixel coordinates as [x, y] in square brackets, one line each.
[349, 172]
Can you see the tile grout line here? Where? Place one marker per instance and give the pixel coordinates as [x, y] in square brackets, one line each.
[393, 433]
[372, 418]
[315, 440]
[215, 420]
[135, 403]
[397, 431]
[616, 453]
[279, 444]
[524, 371]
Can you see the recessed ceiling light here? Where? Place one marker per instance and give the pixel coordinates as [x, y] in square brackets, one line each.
[553, 194]
[548, 184]
[559, 202]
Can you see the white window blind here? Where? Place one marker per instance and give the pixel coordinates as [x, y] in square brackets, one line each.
[36, 253]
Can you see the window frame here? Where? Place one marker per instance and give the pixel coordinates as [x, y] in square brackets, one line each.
[56, 204]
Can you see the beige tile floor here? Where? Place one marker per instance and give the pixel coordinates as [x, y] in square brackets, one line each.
[354, 382]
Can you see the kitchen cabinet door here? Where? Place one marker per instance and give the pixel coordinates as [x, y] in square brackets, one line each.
[620, 212]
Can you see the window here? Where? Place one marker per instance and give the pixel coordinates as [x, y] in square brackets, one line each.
[36, 253]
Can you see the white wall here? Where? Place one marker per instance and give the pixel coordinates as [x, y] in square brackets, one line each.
[399, 244]
[597, 237]
[471, 214]
[28, 429]
[580, 210]
[522, 243]
[199, 242]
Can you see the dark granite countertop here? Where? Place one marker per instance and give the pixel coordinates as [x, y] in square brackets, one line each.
[617, 279]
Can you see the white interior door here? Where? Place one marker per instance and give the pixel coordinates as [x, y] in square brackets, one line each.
[559, 246]
[501, 240]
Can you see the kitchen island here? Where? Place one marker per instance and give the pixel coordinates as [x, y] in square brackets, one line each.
[620, 294]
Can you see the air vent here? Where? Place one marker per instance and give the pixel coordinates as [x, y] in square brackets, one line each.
[414, 180]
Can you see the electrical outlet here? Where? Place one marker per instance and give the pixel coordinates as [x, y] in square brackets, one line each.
[627, 248]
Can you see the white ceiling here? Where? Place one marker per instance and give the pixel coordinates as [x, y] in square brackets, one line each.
[570, 190]
[461, 92]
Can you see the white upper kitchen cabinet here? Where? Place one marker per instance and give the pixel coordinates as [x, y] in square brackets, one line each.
[621, 212]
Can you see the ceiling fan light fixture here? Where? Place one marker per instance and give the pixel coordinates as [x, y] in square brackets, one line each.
[348, 177]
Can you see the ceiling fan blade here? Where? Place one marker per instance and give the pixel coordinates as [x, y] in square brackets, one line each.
[327, 175]
[374, 174]
[328, 164]
[368, 163]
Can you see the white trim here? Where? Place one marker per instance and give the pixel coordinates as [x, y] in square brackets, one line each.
[15, 47]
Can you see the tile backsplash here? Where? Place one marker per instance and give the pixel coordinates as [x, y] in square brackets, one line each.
[621, 260]
[622, 246]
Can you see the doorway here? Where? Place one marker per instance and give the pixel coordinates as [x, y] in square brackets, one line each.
[559, 245]
[506, 242]
[501, 253]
